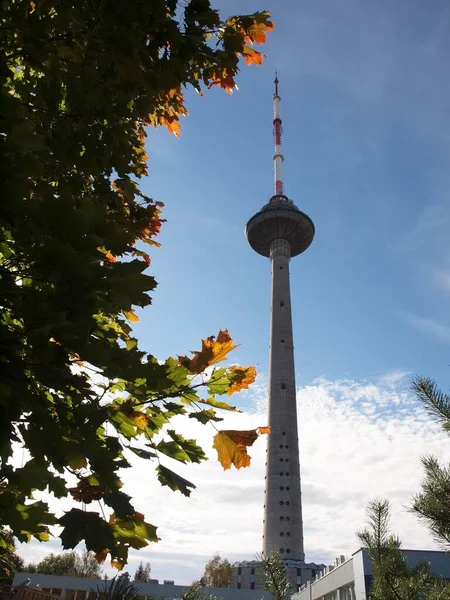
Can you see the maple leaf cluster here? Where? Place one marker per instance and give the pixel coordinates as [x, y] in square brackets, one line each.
[80, 84]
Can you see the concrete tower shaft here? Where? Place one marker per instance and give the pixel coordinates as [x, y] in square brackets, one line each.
[280, 231]
[283, 524]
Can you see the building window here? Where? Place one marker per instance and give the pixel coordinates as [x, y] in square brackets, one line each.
[286, 446]
[282, 341]
[281, 459]
[281, 502]
[252, 585]
[287, 460]
[281, 473]
[281, 446]
[287, 474]
[239, 570]
[281, 518]
[282, 303]
[239, 585]
[288, 551]
[288, 534]
[252, 572]
[281, 488]
[287, 503]
[283, 386]
[281, 534]
[287, 489]
[299, 571]
[283, 433]
[281, 550]
[281, 268]
[288, 518]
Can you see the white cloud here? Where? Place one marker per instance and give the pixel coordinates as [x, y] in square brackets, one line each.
[431, 327]
[358, 440]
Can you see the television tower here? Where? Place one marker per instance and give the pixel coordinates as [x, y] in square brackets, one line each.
[280, 231]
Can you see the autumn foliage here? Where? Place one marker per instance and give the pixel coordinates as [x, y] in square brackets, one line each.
[81, 82]
[232, 446]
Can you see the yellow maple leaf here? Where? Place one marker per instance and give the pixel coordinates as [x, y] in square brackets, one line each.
[232, 446]
[213, 351]
[242, 377]
[140, 419]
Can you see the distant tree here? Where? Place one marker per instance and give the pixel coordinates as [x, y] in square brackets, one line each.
[139, 572]
[273, 575]
[71, 563]
[142, 572]
[10, 561]
[217, 572]
[393, 578]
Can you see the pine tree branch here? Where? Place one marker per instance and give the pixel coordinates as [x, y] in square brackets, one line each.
[435, 402]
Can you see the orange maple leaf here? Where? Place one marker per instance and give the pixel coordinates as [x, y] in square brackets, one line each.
[225, 81]
[131, 316]
[110, 257]
[242, 377]
[252, 56]
[232, 446]
[171, 124]
[267, 429]
[257, 32]
[213, 351]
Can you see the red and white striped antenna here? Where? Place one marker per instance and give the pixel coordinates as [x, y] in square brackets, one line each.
[278, 157]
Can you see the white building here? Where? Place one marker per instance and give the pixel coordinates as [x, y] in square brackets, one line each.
[350, 579]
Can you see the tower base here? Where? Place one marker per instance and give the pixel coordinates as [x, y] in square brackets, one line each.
[247, 575]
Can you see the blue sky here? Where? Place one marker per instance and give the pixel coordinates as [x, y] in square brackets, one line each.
[366, 114]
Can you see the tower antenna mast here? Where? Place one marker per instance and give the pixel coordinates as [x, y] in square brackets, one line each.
[278, 157]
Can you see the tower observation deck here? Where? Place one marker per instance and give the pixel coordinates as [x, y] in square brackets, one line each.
[280, 231]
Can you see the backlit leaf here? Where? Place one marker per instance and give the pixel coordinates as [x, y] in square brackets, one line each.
[131, 316]
[252, 56]
[219, 404]
[232, 446]
[264, 430]
[241, 378]
[213, 351]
